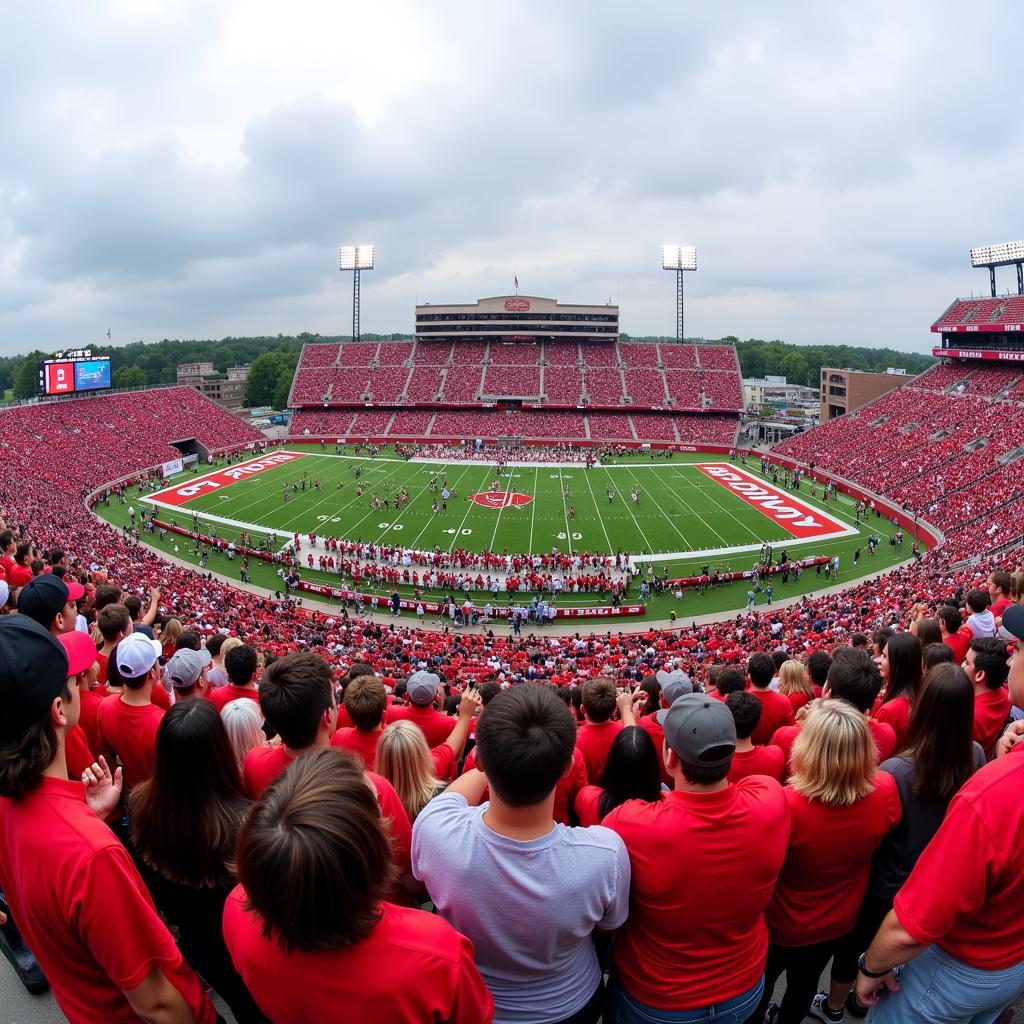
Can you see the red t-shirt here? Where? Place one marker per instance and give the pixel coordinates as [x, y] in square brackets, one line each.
[77, 752]
[770, 761]
[883, 735]
[776, 712]
[102, 660]
[827, 864]
[696, 935]
[964, 892]
[261, 766]
[896, 712]
[90, 701]
[160, 697]
[222, 695]
[649, 724]
[412, 968]
[959, 642]
[129, 732]
[991, 710]
[797, 700]
[83, 909]
[435, 726]
[362, 744]
[998, 607]
[586, 805]
[593, 741]
[18, 576]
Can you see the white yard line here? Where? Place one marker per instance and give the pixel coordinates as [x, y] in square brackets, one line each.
[650, 546]
[597, 511]
[533, 513]
[565, 511]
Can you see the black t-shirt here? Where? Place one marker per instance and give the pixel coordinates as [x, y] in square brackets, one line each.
[899, 850]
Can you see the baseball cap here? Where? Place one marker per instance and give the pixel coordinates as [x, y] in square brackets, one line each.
[5, 592]
[422, 686]
[45, 595]
[80, 649]
[1013, 620]
[137, 654]
[674, 684]
[185, 667]
[701, 731]
[33, 670]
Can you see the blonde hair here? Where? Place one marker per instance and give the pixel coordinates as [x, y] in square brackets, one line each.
[171, 631]
[403, 758]
[243, 722]
[793, 679]
[834, 756]
[229, 645]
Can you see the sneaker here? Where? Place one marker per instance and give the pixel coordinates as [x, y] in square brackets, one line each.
[820, 1010]
[771, 1015]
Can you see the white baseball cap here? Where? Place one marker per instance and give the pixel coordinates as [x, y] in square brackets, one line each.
[137, 654]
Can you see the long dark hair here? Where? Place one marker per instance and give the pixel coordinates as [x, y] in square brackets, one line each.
[939, 736]
[631, 771]
[904, 654]
[185, 819]
[927, 632]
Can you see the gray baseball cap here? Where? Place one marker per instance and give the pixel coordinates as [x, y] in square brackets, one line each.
[421, 687]
[185, 667]
[674, 684]
[700, 730]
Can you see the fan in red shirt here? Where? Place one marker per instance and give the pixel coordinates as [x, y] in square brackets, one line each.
[696, 938]
[242, 666]
[126, 724]
[366, 703]
[987, 668]
[841, 807]
[854, 677]
[955, 634]
[423, 690]
[72, 887]
[671, 686]
[318, 831]
[297, 700]
[777, 711]
[1000, 589]
[187, 672]
[82, 665]
[595, 736]
[52, 602]
[902, 668]
[958, 914]
[749, 759]
[114, 623]
[19, 574]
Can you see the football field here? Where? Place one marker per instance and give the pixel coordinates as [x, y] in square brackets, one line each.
[678, 513]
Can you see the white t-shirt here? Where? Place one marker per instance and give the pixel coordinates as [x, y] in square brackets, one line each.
[529, 907]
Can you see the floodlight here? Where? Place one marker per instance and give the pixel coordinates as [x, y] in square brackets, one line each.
[678, 257]
[355, 257]
[1001, 255]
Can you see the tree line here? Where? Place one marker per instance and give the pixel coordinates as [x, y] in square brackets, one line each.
[273, 361]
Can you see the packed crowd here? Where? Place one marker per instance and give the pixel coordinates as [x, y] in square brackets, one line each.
[484, 954]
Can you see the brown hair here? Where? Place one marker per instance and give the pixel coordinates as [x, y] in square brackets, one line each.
[314, 856]
[365, 701]
[187, 832]
[599, 699]
[25, 757]
[113, 619]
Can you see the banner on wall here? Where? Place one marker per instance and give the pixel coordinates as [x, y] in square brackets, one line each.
[172, 468]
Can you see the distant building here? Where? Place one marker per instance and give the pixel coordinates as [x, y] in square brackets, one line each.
[224, 389]
[779, 394]
[844, 391]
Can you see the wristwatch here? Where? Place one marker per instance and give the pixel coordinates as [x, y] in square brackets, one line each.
[861, 966]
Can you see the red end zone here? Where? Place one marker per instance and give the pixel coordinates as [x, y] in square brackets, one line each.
[794, 516]
[183, 493]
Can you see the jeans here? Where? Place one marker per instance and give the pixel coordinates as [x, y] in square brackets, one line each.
[622, 1008]
[936, 988]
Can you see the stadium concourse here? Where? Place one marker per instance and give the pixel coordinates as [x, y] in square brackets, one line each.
[813, 891]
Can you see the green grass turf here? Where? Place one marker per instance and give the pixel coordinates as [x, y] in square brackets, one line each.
[680, 511]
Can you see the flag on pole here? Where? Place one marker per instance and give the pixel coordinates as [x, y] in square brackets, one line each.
[108, 334]
[516, 280]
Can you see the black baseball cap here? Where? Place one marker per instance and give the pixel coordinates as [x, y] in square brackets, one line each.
[700, 730]
[1013, 620]
[33, 670]
[44, 596]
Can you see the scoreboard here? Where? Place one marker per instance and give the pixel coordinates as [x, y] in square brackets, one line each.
[71, 372]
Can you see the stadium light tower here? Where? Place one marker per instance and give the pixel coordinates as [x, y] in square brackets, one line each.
[355, 258]
[1002, 255]
[679, 258]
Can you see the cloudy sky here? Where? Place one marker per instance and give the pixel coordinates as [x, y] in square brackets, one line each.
[188, 169]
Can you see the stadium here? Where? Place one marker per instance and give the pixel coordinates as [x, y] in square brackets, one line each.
[515, 495]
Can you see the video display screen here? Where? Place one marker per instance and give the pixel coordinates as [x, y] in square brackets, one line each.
[69, 376]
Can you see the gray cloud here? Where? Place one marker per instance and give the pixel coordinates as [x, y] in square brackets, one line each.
[187, 171]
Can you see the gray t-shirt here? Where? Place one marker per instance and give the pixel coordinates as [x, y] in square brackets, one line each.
[529, 907]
